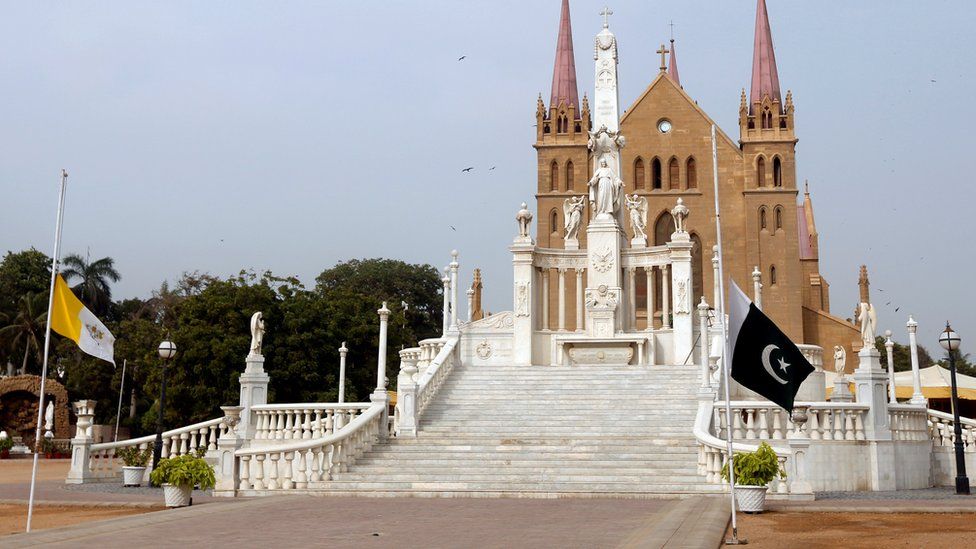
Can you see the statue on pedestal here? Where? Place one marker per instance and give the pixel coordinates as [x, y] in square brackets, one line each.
[680, 214]
[524, 218]
[573, 214]
[257, 333]
[840, 359]
[869, 322]
[605, 189]
[637, 206]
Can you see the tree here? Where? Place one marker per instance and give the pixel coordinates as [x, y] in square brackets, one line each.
[902, 355]
[963, 365]
[93, 281]
[25, 330]
[20, 273]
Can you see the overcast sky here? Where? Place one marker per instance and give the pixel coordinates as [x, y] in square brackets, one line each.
[219, 135]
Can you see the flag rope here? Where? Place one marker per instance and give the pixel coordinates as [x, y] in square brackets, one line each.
[47, 343]
[726, 353]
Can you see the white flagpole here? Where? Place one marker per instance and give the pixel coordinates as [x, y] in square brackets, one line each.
[118, 414]
[47, 342]
[727, 353]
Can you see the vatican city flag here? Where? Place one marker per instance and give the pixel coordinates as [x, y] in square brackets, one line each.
[72, 320]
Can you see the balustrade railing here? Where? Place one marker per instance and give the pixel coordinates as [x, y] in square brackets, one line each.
[430, 379]
[299, 465]
[427, 353]
[303, 421]
[767, 421]
[942, 430]
[908, 422]
[177, 442]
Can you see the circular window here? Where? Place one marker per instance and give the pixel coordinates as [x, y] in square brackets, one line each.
[664, 126]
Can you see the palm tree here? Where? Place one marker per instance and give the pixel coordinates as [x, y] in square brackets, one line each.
[26, 327]
[94, 278]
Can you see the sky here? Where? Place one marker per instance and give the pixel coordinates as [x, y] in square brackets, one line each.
[226, 135]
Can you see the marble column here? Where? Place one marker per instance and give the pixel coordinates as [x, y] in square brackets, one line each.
[446, 281]
[470, 293]
[342, 372]
[917, 396]
[649, 273]
[561, 290]
[682, 332]
[545, 299]
[632, 298]
[524, 301]
[666, 296]
[757, 287]
[703, 337]
[890, 348]
[579, 300]
[454, 289]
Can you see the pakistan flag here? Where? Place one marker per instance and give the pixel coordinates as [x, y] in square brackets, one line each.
[763, 358]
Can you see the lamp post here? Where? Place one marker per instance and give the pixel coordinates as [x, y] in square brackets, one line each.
[167, 350]
[950, 342]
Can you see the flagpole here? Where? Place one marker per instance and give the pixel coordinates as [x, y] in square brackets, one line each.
[727, 353]
[47, 342]
[118, 414]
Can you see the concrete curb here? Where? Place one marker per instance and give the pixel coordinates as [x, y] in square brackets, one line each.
[55, 503]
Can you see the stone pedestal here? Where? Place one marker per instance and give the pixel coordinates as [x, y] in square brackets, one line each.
[571, 244]
[869, 382]
[254, 392]
[79, 473]
[524, 301]
[226, 466]
[681, 297]
[407, 398]
[604, 277]
[842, 390]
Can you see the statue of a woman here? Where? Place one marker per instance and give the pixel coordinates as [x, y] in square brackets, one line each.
[573, 214]
[605, 189]
[257, 333]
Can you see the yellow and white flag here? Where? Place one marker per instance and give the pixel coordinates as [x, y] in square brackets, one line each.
[70, 318]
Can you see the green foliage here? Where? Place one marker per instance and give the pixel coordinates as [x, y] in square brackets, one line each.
[6, 444]
[902, 355]
[963, 365]
[757, 468]
[23, 272]
[23, 331]
[132, 456]
[93, 278]
[185, 470]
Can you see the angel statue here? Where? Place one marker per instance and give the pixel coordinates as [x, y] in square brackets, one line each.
[637, 206]
[605, 189]
[524, 218]
[257, 333]
[573, 214]
[840, 359]
[869, 322]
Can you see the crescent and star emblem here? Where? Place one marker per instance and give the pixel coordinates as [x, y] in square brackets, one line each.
[767, 352]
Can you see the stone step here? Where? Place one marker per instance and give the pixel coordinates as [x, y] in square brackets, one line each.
[521, 487]
[556, 468]
[487, 460]
[592, 477]
[496, 450]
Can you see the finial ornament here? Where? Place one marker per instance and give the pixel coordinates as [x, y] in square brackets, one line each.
[664, 52]
[680, 213]
[606, 13]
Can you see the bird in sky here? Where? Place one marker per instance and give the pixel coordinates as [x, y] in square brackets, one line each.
[491, 168]
[468, 169]
[462, 58]
[453, 229]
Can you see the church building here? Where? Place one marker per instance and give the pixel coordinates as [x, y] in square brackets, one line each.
[769, 230]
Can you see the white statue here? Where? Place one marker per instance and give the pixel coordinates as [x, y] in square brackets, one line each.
[573, 214]
[524, 218]
[869, 322]
[637, 205]
[605, 189]
[49, 420]
[840, 359]
[680, 213]
[257, 333]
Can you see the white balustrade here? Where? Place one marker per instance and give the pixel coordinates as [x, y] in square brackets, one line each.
[942, 430]
[302, 421]
[759, 420]
[908, 422]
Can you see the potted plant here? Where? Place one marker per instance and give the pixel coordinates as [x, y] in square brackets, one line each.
[6, 443]
[753, 472]
[134, 463]
[179, 475]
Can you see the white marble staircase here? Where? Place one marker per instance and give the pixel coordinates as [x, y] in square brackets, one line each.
[544, 431]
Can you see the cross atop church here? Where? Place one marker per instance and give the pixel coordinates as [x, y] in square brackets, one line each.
[606, 13]
[664, 62]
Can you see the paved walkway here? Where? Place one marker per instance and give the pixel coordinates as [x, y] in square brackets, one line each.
[303, 521]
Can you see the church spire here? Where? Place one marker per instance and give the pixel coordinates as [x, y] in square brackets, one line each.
[765, 79]
[564, 72]
[673, 66]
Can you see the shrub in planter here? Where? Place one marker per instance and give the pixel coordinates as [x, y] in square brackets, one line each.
[134, 461]
[179, 475]
[753, 472]
[5, 445]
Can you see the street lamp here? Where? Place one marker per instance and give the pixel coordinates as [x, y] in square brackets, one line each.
[950, 342]
[167, 350]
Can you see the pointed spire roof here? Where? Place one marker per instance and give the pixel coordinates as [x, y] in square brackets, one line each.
[564, 87]
[808, 236]
[765, 79]
[673, 66]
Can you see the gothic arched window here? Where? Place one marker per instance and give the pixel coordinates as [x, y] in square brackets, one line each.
[554, 176]
[779, 218]
[569, 175]
[656, 174]
[691, 173]
[639, 182]
[761, 172]
[762, 218]
[673, 182]
[772, 275]
[777, 172]
[554, 222]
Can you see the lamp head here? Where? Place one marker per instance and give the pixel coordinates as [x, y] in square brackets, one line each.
[949, 339]
[167, 350]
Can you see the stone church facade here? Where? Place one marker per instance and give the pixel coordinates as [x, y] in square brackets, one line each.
[767, 226]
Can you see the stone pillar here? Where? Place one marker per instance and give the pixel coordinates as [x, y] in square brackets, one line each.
[604, 239]
[407, 396]
[524, 306]
[757, 287]
[579, 300]
[561, 290]
[254, 392]
[649, 273]
[379, 395]
[342, 372]
[716, 284]
[869, 381]
[470, 293]
[632, 298]
[917, 396]
[446, 281]
[889, 347]
[799, 468]
[79, 472]
[666, 296]
[703, 337]
[226, 468]
[454, 289]
[681, 296]
[545, 298]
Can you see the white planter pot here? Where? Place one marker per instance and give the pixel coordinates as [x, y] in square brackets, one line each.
[177, 496]
[132, 476]
[751, 499]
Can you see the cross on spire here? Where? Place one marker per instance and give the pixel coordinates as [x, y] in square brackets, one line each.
[664, 52]
[671, 24]
[606, 13]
